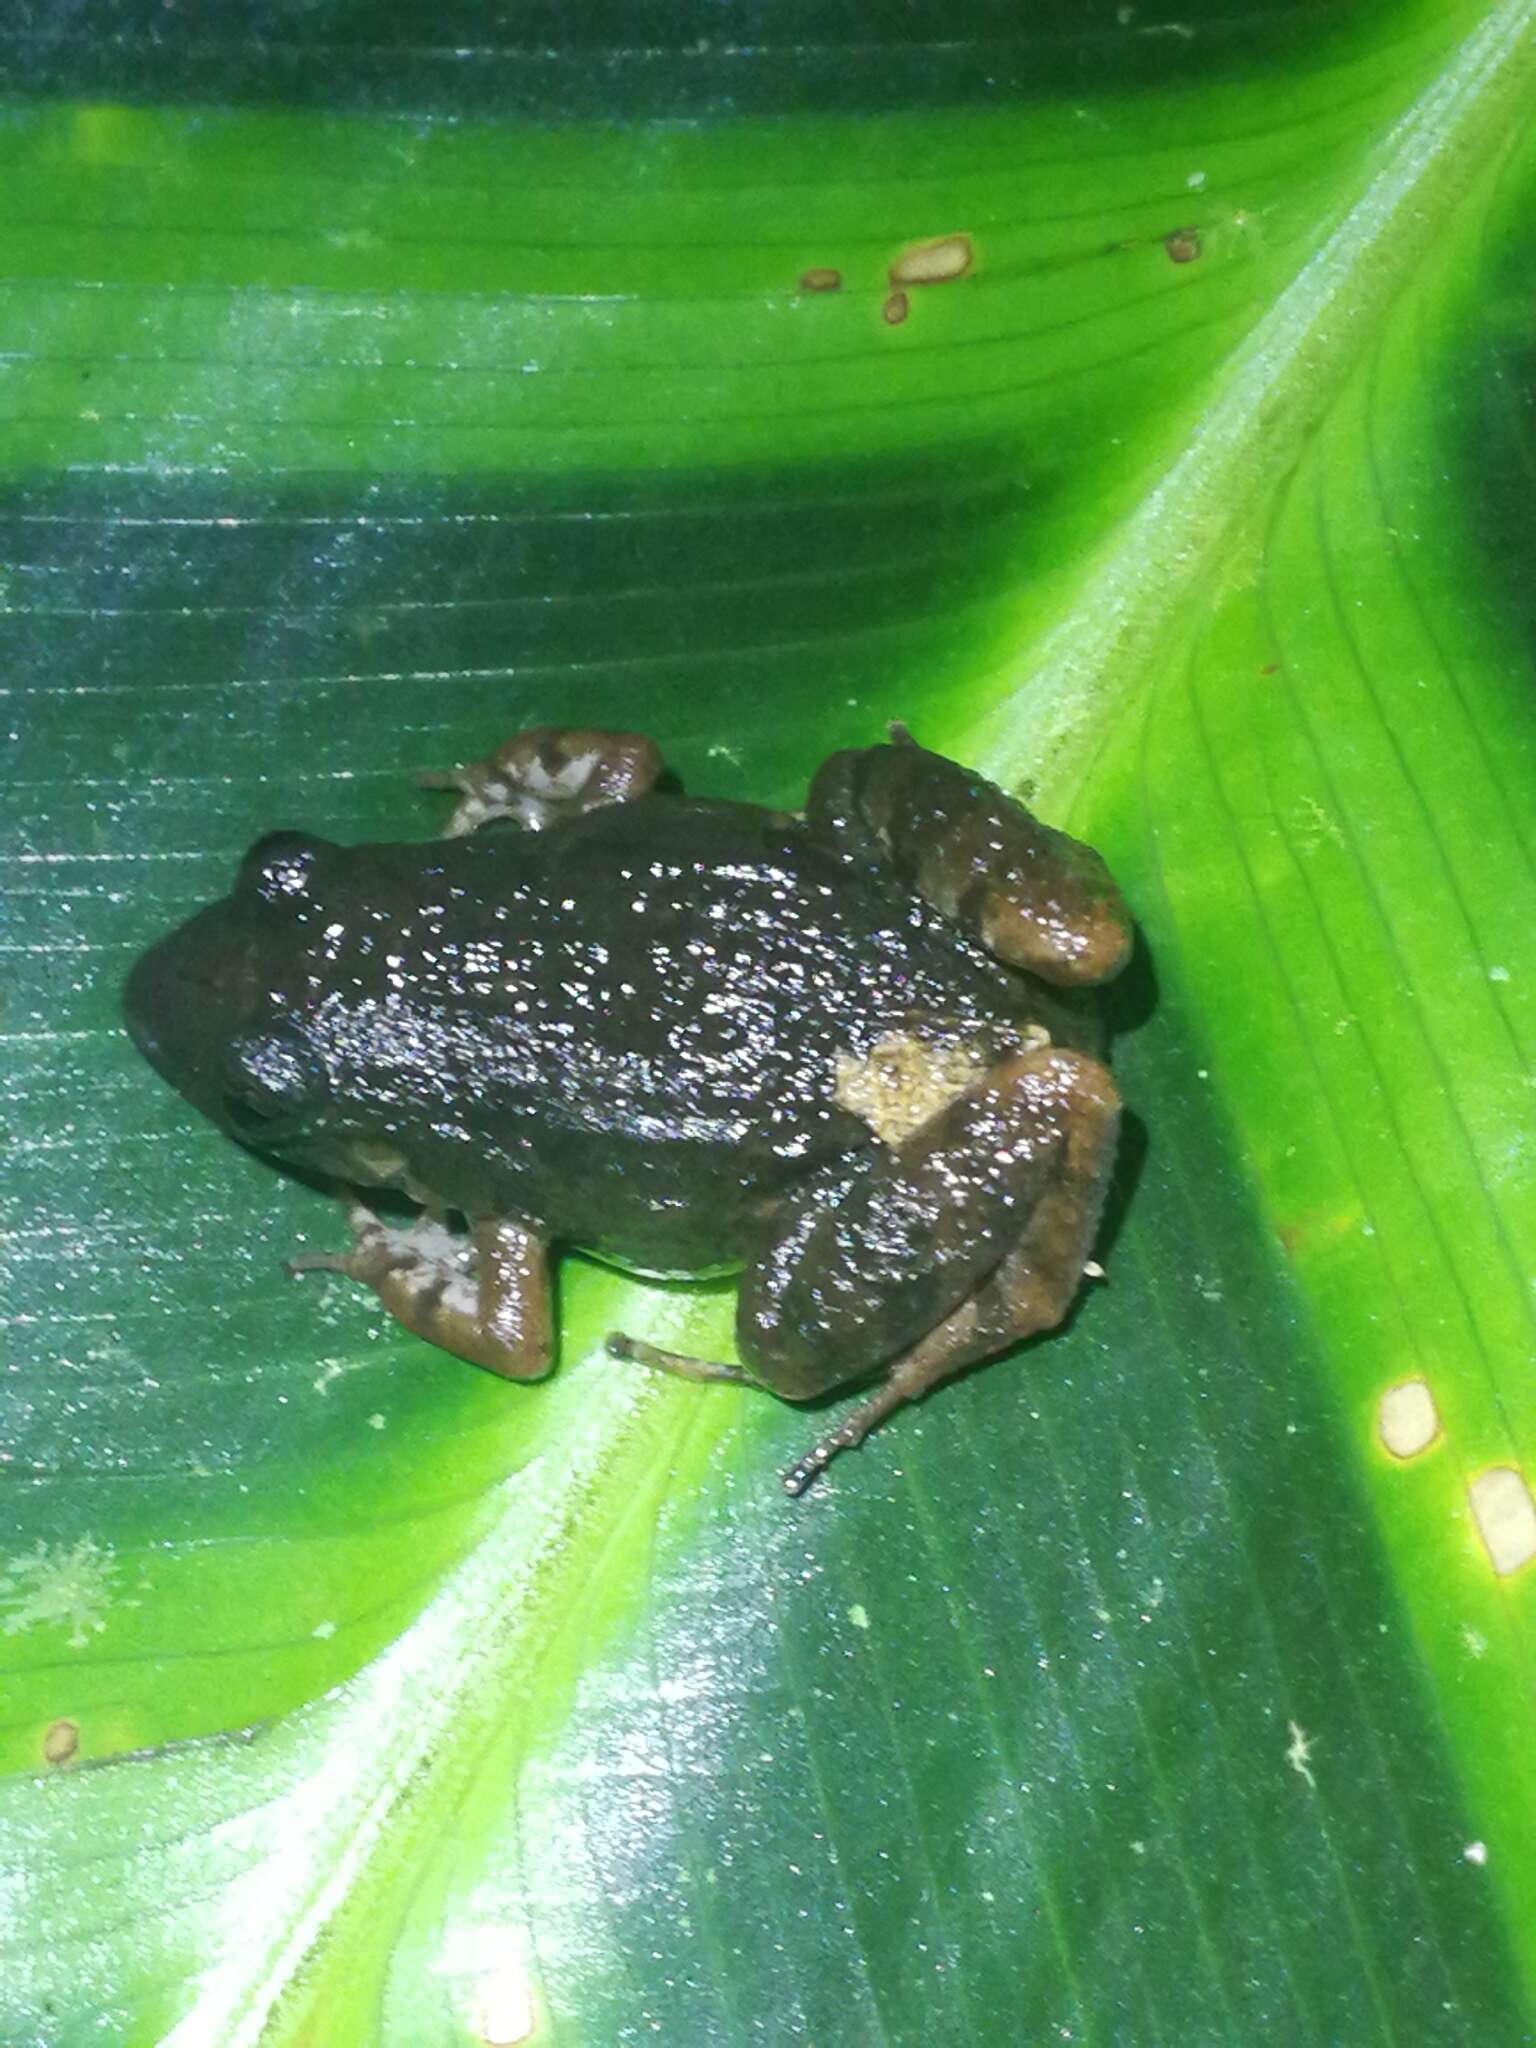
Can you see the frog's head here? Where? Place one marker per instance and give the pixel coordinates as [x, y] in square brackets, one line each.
[209, 1007]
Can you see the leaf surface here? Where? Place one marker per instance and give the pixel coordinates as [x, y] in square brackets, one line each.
[382, 384]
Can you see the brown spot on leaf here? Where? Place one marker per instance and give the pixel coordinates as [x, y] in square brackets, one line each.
[61, 1739]
[821, 279]
[894, 311]
[1183, 245]
[936, 262]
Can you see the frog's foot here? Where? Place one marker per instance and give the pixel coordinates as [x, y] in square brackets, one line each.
[484, 1297]
[1034, 897]
[542, 777]
[973, 1233]
[620, 1346]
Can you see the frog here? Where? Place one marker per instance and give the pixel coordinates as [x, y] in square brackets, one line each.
[851, 1053]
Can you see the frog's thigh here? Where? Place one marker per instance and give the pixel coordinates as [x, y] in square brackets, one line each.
[1034, 897]
[1017, 1171]
[485, 1298]
[540, 777]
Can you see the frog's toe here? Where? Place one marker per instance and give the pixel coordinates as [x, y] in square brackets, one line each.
[364, 1262]
[541, 777]
[484, 1297]
[619, 1345]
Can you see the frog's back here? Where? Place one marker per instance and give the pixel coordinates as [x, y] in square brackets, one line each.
[644, 1010]
[710, 960]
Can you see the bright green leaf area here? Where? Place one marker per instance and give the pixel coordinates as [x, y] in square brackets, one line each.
[1132, 1691]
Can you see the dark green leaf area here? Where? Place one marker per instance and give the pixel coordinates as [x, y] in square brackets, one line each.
[211, 663]
[1077, 1697]
[669, 59]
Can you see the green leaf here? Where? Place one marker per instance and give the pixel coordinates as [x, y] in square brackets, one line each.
[382, 381]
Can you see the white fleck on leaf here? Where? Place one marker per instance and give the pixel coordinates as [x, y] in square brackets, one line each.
[58, 1583]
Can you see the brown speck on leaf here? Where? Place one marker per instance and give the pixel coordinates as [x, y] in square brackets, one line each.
[61, 1739]
[1270, 668]
[821, 279]
[936, 262]
[894, 311]
[1183, 245]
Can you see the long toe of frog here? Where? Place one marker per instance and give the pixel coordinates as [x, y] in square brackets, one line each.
[638, 1352]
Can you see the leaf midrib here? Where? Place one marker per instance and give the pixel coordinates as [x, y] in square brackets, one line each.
[1100, 652]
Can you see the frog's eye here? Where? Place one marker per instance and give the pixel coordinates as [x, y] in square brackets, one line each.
[280, 864]
[272, 1087]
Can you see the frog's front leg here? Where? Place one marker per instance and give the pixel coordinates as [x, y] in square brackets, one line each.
[1034, 897]
[485, 1297]
[541, 777]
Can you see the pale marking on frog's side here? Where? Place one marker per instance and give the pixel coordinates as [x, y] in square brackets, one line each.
[58, 1583]
[1475, 1852]
[1477, 1645]
[858, 1614]
[1505, 1516]
[1408, 1421]
[936, 262]
[323, 1631]
[904, 1079]
[1298, 1753]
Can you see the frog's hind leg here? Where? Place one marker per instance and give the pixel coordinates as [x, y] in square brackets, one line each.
[1034, 897]
[542, 777]
[484, 1297]
[982, 1224]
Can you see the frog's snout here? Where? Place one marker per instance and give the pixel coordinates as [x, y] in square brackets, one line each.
[184, 999]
